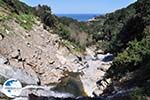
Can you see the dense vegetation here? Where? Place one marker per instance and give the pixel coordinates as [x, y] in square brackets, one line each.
[16, 7]
[126, 34]
[45, 14]
[74, 31]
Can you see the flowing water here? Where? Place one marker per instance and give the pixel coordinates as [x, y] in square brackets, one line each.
[71, 83]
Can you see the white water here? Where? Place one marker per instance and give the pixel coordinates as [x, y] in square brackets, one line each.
[45, 91]
[40, 91]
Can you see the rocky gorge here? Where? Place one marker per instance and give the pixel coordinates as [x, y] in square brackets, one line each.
[40, 61]
[60, 58]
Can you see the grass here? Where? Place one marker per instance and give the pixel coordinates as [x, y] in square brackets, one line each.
[1, 2]
[25, 20]
[4, 16]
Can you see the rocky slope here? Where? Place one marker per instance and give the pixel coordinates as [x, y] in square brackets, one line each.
[39, 58]
[46, 55]
[43, 63]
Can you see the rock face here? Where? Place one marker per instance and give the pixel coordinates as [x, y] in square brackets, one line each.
[39, 57]
[34, 51]
[8, 71]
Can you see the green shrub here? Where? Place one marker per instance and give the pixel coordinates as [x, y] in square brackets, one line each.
[18, 7]
[1, 2]
[25, 20]
[44, 13]
[63, 31]
[137, 94]
[137, 54]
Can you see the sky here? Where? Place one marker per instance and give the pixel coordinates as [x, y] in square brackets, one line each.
[81, 6]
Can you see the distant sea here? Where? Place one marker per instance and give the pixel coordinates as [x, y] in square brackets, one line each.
[79, 17]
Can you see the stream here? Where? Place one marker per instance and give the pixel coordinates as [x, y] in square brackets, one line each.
[75, 83]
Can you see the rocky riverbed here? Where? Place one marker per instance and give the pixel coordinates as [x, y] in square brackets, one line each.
[40, 60]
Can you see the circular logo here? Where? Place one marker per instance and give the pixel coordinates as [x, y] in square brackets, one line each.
[12, 88]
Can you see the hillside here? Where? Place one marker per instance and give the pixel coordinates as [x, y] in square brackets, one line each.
[64, 55]
[47, 54]
[125, 33]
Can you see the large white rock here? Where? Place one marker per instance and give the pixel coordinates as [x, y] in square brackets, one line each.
[20, 74]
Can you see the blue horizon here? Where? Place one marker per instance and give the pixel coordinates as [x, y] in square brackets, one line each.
[79, 17]
[82, 7]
